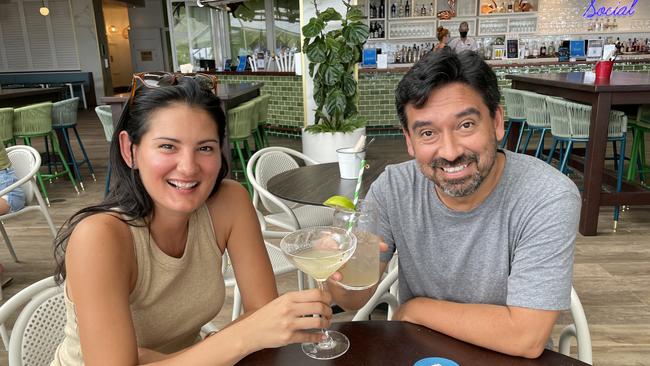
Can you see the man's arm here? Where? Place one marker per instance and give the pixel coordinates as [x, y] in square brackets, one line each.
[512, 330]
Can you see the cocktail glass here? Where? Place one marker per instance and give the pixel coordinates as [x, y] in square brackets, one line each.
[319, 251]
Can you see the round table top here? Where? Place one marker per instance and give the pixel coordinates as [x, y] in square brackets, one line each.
[314, 184]
[400, 343]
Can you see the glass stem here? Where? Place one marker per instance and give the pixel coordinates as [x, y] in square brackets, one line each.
[327, 340]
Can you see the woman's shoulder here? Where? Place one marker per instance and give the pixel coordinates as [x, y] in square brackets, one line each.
[229, 191]
[100, 228]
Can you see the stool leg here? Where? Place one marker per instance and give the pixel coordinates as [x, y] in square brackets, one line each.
[619, 179]
[565, 159]
[83, 151]
[66, 137]
[521, 133]
[549, 160]
[47, 154]
[39, 179]
[242, 161]
[66, 168]
[530, 134]
[644, 164]
[505, 136]
[540, 145]
[108, 179]
[634, 156]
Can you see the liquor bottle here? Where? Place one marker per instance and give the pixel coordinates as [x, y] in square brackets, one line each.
[372, 11]
[401, 9]
[423, 11]
[551, 49]
[542, 50]
[382, 11]
[407, 9]
[510, 6]
[393, 10]
[614, 25]
[431, 10]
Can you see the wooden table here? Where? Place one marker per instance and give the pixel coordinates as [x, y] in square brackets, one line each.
[623, 88]
[25, 96]
[398, 343]
[313, 184]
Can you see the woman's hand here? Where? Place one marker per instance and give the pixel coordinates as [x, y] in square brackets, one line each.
[287, 319]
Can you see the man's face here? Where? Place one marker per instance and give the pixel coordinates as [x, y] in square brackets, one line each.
[454, 139]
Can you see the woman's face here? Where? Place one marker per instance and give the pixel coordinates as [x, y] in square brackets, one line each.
[178, 158]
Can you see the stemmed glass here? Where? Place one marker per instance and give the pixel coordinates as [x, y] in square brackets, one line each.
[319, 251]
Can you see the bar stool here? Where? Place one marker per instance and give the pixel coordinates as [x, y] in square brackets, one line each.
[64, 116]
[570, 123]
[36, 121]
[239, 122]
[263, 117]
[515, 114]
[638, 164]
[536, 118]
[7, 126]
[106, 118]
[255, 132]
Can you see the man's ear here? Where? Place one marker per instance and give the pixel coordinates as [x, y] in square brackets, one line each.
[409, 144]
[499, 123]
[125, 149]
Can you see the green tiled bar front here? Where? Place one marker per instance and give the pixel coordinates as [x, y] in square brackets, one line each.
[377, 94]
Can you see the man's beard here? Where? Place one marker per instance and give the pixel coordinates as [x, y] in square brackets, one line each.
[465, 186]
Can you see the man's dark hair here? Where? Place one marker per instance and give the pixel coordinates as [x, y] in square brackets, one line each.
[441, 68]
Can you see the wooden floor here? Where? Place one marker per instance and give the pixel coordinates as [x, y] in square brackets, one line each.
[611, 276]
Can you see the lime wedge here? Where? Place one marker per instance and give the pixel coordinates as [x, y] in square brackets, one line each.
[341, 202]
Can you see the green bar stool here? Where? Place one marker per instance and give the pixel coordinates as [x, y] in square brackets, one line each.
[263, 117]
[638, 164]
[239, 130]
[257, 137]
[106, 118]
[36, 121]
[64, 117]
[515, 114]
[570, 123]
[536, 118]
[7, 126]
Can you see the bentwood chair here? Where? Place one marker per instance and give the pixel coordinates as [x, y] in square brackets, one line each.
[106, 118]
[7, 126]
[515, 114]
[26, 162]
[239, 130]
[36, 121]
[64, 117]
[536, 118]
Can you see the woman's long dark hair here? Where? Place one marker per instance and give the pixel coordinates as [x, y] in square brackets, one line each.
[128, 195]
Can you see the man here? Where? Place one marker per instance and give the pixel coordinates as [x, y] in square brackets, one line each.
[463, 43]
[485, 236]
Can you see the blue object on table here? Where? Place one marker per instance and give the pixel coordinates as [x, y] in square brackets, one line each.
[241, 66]
[369, 57]
[435, 361]
[577, 48]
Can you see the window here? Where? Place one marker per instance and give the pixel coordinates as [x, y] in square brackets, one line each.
[286, 24]
[247, 27]
[191, 33]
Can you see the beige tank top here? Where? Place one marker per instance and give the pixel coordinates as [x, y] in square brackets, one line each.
[172, 298]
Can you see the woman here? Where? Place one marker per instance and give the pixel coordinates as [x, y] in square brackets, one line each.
[142, 269]
[442, 34]
[12, 201]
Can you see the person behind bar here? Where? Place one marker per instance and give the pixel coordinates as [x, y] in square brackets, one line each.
[442, 34]
[142, 269]
[463, 42]
[485, 236]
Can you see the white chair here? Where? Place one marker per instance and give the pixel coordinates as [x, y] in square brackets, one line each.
[279, 262]
[290, 216]
[26, 162]
[38, 330]
[387, 293]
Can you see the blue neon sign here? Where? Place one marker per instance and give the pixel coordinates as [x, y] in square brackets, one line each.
[593, 10]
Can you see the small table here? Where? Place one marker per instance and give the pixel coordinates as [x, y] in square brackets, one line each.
[400, 343]
[25, 96]
[314, 184]
[623, 88]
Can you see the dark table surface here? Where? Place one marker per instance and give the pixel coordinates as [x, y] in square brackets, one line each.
[25, 96]
[313, 184]
[622, 88]
[388, 343]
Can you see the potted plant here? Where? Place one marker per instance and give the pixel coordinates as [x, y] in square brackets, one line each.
[332, 57]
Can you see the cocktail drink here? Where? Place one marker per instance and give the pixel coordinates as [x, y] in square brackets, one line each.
[319, 252]
[361, 271]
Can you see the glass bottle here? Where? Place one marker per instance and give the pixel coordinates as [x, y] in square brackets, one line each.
[401, 9]
[407, 9]
[551, 49]
[431, 10]
[382, 10]
[423, 11]
[542, 50]
[393, 10]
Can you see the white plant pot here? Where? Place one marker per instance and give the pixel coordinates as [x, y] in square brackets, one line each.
[322, 146]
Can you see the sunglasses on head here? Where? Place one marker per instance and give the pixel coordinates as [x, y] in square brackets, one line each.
[160, 78]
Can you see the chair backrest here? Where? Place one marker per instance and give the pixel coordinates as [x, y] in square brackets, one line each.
[514, 103]
[239, 120]
[106, 118]
[35, 119]
[64, 113]
[6, 124]
[571, 119]
[25, 161]
[643, 115]
[38, 330]
[263, 107]
[535, 109]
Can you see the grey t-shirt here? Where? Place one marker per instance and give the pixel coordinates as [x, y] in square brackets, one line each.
[515, 249]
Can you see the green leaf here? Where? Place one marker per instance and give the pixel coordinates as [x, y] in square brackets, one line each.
[354, 13]
[311, 69]
[348, 85]
[356, 33]
[317, 51]
[329, 14]
[333, 74]
[335, 102]
[244, 13]
[313, 28]
[346, 54]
